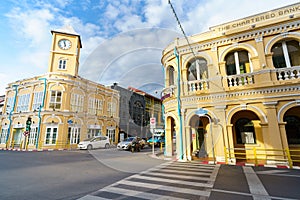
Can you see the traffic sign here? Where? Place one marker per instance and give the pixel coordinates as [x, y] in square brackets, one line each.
[26, 133]
[152, 122]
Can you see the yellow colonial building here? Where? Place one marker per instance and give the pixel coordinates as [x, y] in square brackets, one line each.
[233, 93]
[62, 107]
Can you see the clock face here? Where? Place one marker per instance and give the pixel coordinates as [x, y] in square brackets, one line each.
[64, 44]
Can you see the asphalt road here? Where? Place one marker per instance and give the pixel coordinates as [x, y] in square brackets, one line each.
[87, 175]
[65, 174]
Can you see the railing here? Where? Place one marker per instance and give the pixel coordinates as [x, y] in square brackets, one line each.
[258, 156]
[240, 79]
[289, 73]
[197, 85]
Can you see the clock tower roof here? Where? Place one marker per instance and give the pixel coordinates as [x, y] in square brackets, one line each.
[68, 30]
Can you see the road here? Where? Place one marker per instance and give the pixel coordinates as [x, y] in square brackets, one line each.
[65, 174]
[114, 174]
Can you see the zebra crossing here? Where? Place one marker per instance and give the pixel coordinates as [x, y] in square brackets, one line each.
[172, 180]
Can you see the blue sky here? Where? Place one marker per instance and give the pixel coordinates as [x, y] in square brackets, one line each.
[122, 40]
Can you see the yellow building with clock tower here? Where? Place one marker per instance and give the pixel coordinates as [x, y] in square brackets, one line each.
[61, 107]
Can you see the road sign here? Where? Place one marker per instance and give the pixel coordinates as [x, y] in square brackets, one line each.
[26, 133]
[152, 122]
[201, 112]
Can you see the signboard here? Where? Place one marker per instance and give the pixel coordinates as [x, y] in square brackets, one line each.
[201, 112]
[193, 136]
[152, 122]
[26, 133]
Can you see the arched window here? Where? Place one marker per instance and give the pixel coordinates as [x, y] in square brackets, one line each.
[237, 62]
[171, 75]
[244, 130]
[292, 129]
[197, 69]
[286, 54]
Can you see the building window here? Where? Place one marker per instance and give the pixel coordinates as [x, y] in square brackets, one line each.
[171, 75]
[62, 64]
[32, 136]
[111, 109]
[3, 136]
[9, 105]
[99, 106]
[51, 135]
[37, 100]
[95, 106]
[244, 130]
[23, 103]
[286, 54]
[74, 135]
[292, 129]
[92, 132]
[197, 69]
[77, 101]
[56, 99]
[237, 62]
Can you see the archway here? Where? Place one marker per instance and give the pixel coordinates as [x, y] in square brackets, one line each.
[245, 129]
[292, 129]
[198, 144]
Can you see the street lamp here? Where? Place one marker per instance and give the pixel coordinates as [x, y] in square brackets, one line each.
[203, 113]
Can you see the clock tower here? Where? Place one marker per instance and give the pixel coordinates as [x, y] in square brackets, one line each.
[65, 51]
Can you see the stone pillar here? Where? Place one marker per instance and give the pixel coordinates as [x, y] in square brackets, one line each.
[231, 157]
[284, 141]
[272, 137]
[188, 143]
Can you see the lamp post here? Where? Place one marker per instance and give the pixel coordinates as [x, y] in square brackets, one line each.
[203, 113]
[39, 114]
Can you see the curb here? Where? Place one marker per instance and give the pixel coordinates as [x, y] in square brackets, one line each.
[30, 150]
[161, 156]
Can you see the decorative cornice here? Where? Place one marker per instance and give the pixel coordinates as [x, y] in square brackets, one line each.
[238, 38]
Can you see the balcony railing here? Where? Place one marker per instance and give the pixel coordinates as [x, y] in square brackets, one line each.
[289, 73]
[240, 79]
[198, 85]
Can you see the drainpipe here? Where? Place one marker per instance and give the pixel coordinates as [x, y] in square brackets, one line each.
[11, 111]
[39, 113]
[179, 105]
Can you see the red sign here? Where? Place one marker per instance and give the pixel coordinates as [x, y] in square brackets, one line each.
[152, 122]
[26, 133]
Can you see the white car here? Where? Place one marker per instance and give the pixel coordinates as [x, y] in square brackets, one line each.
[94, 143]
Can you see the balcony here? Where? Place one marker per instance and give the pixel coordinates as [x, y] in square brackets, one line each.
[289, 73]
[240, 79]
[247, 81]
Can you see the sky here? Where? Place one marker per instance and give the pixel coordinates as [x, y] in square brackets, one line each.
[122, 40]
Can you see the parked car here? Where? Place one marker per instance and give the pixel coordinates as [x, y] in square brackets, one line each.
[126, 144]
[94, 142]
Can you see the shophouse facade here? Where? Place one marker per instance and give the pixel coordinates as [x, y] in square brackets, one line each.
[233, 93]
[62, 107]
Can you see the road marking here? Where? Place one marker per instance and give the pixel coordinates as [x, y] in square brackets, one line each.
[91, 197]
[255, 186]
[166, 188]
[247, 194]
[138, 194]
[208, 185]
[277, 173]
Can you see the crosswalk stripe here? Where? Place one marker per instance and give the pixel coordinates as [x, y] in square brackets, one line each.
[91, 197]
[138, 194]
[184, 172]
[179, 176]
[167, 188]
[208, 185]
[189, 169]
[191, 164]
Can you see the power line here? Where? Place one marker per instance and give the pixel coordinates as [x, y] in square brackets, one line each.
[181, 28]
